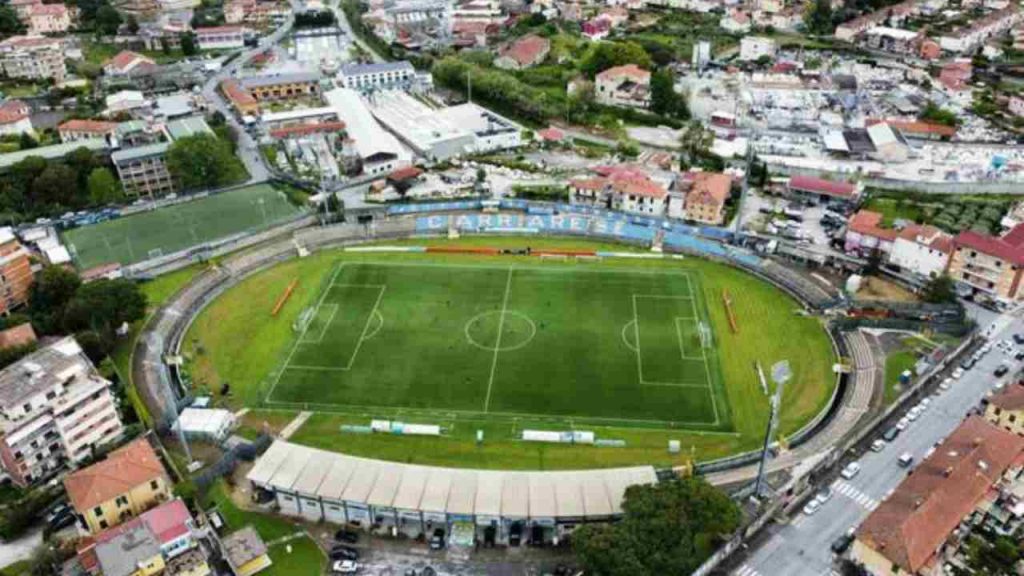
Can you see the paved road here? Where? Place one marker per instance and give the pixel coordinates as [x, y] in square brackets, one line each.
[802, 547]
[346, 26]
[12, 551]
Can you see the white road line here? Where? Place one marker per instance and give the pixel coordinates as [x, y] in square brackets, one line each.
[362, 335]
[497, 342]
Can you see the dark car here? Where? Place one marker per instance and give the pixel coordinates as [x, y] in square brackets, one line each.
[1018, 338]
[968, 363]
[891, 434]
[341, 552]
[842, 543]
[1018, 356]
[437, 540]
[61, 521]
[1002, 370]
[346, 536]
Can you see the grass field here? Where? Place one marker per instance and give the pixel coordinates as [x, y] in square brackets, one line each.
[429, 345]
[148, 234]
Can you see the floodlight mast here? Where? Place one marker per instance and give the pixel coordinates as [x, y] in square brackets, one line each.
[781, 373]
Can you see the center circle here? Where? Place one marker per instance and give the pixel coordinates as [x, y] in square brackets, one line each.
[498, 331]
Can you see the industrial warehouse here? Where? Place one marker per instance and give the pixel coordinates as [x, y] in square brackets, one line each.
[496, 506]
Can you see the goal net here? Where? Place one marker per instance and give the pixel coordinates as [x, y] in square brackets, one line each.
[303, 320]
[704, 331]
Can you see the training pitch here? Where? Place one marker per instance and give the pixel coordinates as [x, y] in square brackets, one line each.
[618, 346]
[166, 230]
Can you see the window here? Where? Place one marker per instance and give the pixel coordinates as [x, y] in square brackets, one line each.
[51, 395]
[97, 511]
[154, 485]
[121, 501]
[1012, 418]
[27, 407]
[103, 524]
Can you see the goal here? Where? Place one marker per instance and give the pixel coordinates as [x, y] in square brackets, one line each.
[704, 331]
[305, 317]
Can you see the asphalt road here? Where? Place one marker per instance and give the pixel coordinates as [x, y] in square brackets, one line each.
[802, 547]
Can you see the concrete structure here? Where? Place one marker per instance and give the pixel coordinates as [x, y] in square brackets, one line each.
[754, 47]
[129, 481]
[989, 265]
[913, 530]
[55, 409]
[33, 58]
[922, 250]
[523, 53]
[319, 485]
[624, 86]
[220, 37]
[894, 40]
[379, 151]
[15, 118]
[378, 76]
[209, 424]
[1005, 409]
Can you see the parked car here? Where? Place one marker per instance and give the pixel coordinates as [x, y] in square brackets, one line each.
[842, 544]
[905, 460]
[878, 445]
[346, 536]
[1018, 338]
[823, 496]
[812, 507]
[891, 434]
[345, 567]
[1001, 370]
[968, 363]
[903, 424]
[851, 470]
[957, 373]
[342, 552]
[946, 384]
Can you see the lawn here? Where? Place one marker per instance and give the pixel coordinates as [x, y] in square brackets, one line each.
[269, 526]
[236, 339]
[304, 559]
[895, 364]
[166, 230]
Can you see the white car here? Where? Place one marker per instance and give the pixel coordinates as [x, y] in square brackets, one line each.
[345, 567]
[998, 385]
[923, 404]
[957, 373]
[914, 413]
[823, 496]
[878, 445]
[812, 507]
[946, 384]
[851, 470]
[903, 424]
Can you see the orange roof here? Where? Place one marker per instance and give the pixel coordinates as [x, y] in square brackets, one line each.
[870, 224]
[527, 49]
[916, 127]
[47, 10]
[405, 173]
[13, 111]
[631, 70]
[133, 464]
[125, 58]
[710, 188]
[928, 236]
[909, 526]
[300, 129]
[1012, 398]
[94, 126]
[639, 187]
[238, 95]
[588, 183]
[19, 335]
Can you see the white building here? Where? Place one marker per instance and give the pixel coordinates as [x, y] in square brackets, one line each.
[124, 101]
[220, 37]
[15, 118]
[378, 150]
[922, 250]
[754, 47]
[55, 409]
[33, 58]
[378, 76]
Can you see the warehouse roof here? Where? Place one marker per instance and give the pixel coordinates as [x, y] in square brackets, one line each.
[584, 493]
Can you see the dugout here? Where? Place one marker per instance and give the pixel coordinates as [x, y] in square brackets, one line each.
[537, 507]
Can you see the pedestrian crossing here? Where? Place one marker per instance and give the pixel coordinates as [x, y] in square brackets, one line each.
[746, 570]
[846, 489]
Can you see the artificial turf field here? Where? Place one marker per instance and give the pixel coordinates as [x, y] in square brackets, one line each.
[153, 233]
[612, 345]
[236, 340]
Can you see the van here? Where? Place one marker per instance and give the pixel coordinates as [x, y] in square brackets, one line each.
[905, 460]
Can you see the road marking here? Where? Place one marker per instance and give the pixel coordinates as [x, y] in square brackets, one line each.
[746, 570]
[848, 490]
[497, 342]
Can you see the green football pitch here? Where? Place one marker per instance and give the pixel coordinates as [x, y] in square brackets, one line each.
[163, 231]
[618, 346]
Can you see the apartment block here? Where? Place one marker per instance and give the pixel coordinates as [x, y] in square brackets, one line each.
[54, 409]
[143, 169]
[33, 58]
[220, 37]
[989, 265]
[15, 272]
[385, 75]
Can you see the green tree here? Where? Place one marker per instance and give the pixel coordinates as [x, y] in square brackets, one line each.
[10, 25]
[108, 20]
[934, 113]
[695, 142]
[53, 288]
[998, 557]
[132, 24]
[818, 17]
[201, 161]
[189, 47]
[604, 55]
[26, 141]
[664, 98]
[667, 528]
[55, 187]
[939, 290]
[103, 187]
[102, 306]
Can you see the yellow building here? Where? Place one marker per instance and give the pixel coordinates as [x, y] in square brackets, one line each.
[245, 552]
[1006, 409]
[130, 481]
[990, 265]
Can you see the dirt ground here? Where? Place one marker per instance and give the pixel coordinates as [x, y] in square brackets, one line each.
[874, 288]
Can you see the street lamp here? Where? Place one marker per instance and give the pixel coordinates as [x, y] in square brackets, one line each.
[781, 373]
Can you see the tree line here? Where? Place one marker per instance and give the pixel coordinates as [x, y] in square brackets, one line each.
[35, 187]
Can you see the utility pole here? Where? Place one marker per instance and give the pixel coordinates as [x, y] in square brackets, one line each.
[781, 373]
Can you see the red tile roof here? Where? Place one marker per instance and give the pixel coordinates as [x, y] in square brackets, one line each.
[909, 526]
[527, 49]
[929, 236]
[301, 129]
[238, 95]
[916, 127]
[588, 183]
[93, 126]
[822, 186]
[13, 111]
[642, 187]
[125, 58]
[405, 173]
[133, 464]
[19, 335]
[629, 70]
[1009, 248]
[709, 188]
[219, 30]
[1011, 398]
[869, 223]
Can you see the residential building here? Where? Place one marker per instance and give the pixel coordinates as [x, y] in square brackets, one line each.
[893, 40]
[706, 194]
[55, 409]
[282, 86]
[627, 85]
[989, 265]
[125, 101]
[850, 31]
[915, 529]
[220, 37]
[76, 129]
[525, 52]
[129, 481]
[865, 234]
[33, 58]
[15, 118]
[623, 188]
[968, 39]
[127, 62]
[143, 169]
[241, 99]
[15, 272]
[921, 250]
[596, 29]
[956, 75]
[735, 21]
[377, 76]
[1005, 408]
[821, 191]
[22, 7]
[255, 13]
[245, 552]
[755, 47]
[47, 19]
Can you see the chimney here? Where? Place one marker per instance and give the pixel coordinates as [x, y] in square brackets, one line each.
[917, 503]
[948, 471]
